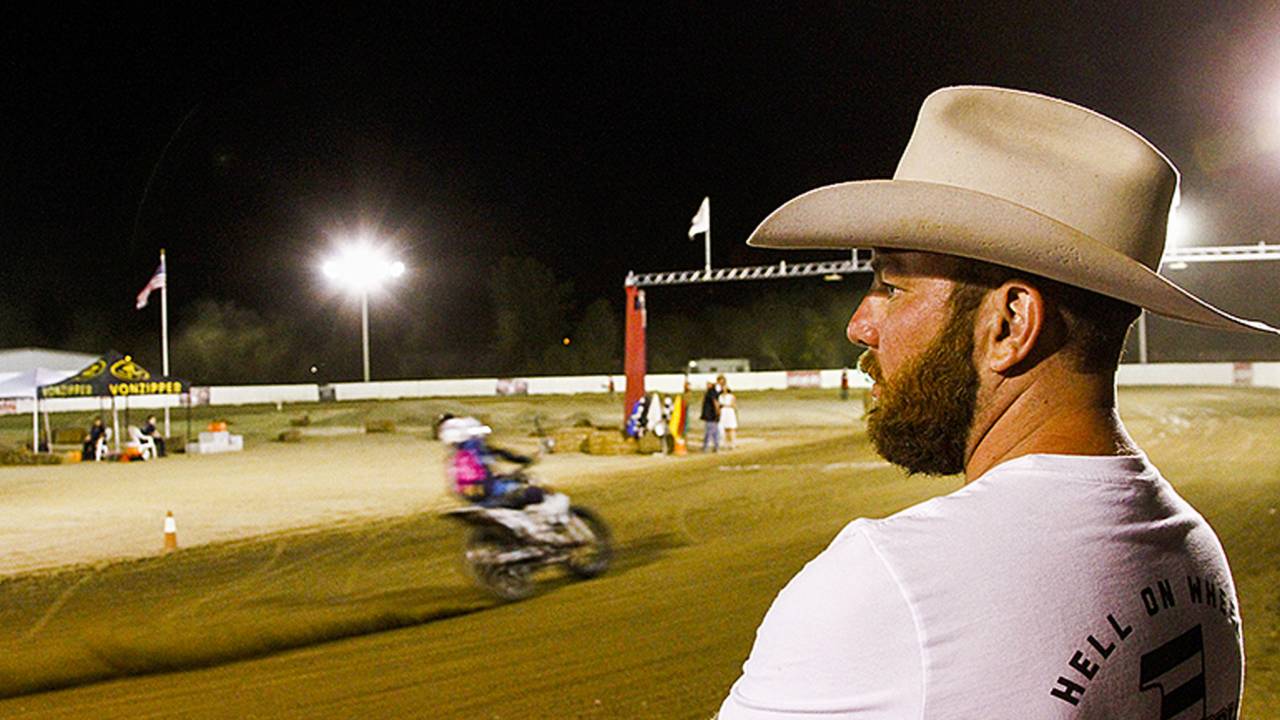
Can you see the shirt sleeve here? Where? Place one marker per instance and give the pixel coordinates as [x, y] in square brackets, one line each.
[510, 456]
[840, 641]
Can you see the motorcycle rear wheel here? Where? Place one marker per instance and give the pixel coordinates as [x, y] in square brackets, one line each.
[590, 559]
[508, 581]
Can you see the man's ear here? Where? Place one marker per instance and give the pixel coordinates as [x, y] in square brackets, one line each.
[1010, 323]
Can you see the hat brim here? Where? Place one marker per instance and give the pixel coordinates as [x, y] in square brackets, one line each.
[931, 217]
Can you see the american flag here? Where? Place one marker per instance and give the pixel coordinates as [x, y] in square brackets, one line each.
[155, 283]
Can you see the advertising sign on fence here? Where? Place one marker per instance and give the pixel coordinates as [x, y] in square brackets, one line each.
[507, 386]
[804, 379]
[1242, 373]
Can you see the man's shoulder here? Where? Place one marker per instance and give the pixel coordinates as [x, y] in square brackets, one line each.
[1022, 499]
[1030, 513]
[840, 632]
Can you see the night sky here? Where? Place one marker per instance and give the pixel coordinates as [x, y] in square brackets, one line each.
[248, 145]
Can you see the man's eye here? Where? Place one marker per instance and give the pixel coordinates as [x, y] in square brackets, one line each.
[882, 288]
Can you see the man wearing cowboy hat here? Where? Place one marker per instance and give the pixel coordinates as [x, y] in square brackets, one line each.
[1012, 251]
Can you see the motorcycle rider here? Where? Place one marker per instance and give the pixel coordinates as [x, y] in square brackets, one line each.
[472, 462]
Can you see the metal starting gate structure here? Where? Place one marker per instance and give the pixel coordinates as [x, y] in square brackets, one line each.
[859, 262]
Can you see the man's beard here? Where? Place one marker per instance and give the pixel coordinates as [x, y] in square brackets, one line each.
[924, 414]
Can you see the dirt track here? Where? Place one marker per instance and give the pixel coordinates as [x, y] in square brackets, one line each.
[88, 512]
[58, 515]
[372, 619]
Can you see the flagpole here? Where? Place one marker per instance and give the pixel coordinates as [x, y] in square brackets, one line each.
[164, 333]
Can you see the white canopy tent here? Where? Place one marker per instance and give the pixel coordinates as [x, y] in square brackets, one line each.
[22, 370]
[17, 360]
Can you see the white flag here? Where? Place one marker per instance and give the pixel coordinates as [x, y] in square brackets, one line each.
[701, 222]
[155, 283]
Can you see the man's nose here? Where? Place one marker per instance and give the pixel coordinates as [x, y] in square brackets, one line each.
[861, 329]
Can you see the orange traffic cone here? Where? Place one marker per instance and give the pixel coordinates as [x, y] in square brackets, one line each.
[680, 446]
[170, 532]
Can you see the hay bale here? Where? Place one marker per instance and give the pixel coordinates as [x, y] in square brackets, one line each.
[23, 456]
[572, 439]
[609, 442]
[379, 426]
[302, 421]
[68, 436]
[649, 444]
[290, 436]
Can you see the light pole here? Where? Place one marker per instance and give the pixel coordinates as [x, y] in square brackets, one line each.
[360, 269]
[1177, 232]
[364, 330]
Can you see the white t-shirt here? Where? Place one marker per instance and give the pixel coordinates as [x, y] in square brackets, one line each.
[1053, 586]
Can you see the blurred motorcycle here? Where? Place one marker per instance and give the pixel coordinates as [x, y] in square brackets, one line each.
[506, 545]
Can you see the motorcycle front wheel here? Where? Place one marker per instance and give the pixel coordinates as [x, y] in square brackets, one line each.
[509, 581]
[592, 557]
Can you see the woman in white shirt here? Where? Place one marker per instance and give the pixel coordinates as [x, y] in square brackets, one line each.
[728, 416]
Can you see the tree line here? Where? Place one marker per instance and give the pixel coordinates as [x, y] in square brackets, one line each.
[521, 319]
[529, 323]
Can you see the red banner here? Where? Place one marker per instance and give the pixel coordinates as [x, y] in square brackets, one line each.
[635, 353]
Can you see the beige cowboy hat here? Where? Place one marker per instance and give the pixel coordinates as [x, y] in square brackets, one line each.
[1019, 180]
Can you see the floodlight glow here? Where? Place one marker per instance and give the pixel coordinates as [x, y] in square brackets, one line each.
[360, 268]
[1181, 227]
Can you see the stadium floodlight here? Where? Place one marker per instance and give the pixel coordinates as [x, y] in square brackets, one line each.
[360, 269]
[1181, 228]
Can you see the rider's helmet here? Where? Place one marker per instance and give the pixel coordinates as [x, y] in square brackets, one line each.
[456, 431]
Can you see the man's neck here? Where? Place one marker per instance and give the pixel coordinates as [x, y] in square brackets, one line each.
[1056, 414]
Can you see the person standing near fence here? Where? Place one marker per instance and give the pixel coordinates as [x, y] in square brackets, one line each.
[729, 417]
[711, 418]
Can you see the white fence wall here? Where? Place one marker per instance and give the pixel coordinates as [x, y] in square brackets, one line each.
[1189, 374]
[574, 385]
[1213, 374]
[768, 380]
[135, 402]
[214, 395]
[257, 394]
[1175, 374]
[1266, 375]
[415, 389]
[1252, 374]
